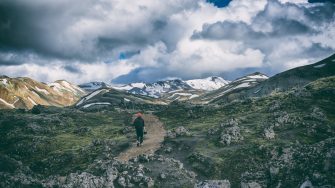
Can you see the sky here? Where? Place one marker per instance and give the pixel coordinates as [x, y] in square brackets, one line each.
[127, 41]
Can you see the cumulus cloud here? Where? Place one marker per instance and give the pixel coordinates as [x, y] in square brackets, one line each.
[148, 40]
[289, 35]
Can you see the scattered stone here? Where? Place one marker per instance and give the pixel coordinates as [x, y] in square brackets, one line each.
[250, 185]
[213, 184]
[85, 180]
[171, 134]
[179, 131]
[307, 184]
[149, 181]
[162, 176]
[182, 131]
[168, 149]
[318, 114]
[121, 181]
[269, 133]
[81, 130]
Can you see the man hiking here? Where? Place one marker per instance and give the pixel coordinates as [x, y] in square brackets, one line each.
[139, 126]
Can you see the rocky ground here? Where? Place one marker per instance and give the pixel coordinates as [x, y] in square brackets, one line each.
[285, 139]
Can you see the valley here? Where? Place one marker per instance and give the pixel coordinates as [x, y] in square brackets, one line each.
[255, 131]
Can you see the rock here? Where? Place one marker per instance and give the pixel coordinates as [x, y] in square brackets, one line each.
[122, 181]
[318, 114]
[111, 176]
[138, 178]
[230, 123]
[250, 185]
[143, 158]
[162, 176]
[213, 184]
[168, 150]
[85, 180]
[269, 133]
[182, 131]
[81, 130]
[171, 134]
[212, 131]
[306, 184]
[274, 170]
[149, 182]
[230, 134]
[179, 131]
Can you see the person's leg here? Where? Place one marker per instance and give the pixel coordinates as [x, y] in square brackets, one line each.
[138, 137]
[141, 136]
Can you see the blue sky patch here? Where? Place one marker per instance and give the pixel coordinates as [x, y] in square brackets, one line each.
[220, 3]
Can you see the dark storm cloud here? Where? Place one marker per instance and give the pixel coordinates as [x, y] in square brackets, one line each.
[61, 29]
[115, 37]
[33, 26]
[72, 69]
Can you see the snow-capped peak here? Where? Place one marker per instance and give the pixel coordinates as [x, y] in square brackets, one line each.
[208, 84]
[92, 86]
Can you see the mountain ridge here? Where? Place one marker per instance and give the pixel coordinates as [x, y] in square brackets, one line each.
[24, 92]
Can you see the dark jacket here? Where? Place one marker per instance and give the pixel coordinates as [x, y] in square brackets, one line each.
[139, 123]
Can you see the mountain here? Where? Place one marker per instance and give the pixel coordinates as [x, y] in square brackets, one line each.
[110, 97]
[91, 86]
[297, 77]
[174, 89]
[235, 86]
[287, 80]
[25, 92]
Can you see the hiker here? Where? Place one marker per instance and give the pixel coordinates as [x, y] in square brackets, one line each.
[139, 126]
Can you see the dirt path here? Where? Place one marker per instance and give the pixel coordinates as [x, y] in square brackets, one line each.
[152, 140]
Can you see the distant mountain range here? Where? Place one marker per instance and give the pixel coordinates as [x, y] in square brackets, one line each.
[215, 90]
[25, 92]
[164, 89]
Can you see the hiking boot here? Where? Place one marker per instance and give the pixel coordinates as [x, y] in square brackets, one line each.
[138, 144]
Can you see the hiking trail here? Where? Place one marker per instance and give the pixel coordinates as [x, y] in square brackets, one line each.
[152, 140]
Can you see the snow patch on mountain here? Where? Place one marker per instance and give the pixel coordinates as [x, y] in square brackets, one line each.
[32, 101]
[157, 89]
[6, 103]
[247, 84]
[319, 66]
[62, 85]
[90, 96]
[208, 84]
[91, 86]
[4, 81]
[97, 103]
[42, 90]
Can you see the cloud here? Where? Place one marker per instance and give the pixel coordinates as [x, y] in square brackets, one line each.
[288, 35]
[148, 40]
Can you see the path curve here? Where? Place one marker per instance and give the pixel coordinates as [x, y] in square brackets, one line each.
[152, 140]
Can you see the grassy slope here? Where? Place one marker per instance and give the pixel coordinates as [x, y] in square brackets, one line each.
[59, 141]
[300, 149]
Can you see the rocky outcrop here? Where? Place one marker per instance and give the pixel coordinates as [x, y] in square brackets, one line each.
[269, 133]
[231, 132]
[179, 131]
